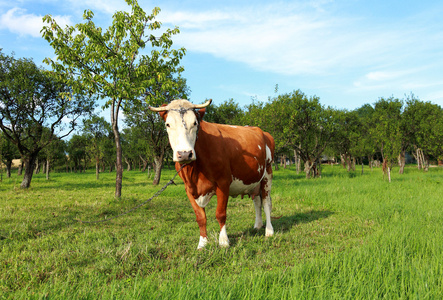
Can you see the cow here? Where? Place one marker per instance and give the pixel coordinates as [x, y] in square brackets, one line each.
[222, 160]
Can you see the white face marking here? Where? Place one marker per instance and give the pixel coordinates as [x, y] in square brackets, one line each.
[181, 138]
[237, 187]
[259, 147]
[203, 200]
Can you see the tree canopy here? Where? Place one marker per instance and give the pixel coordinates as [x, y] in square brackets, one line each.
[34, 107]
[110, 64]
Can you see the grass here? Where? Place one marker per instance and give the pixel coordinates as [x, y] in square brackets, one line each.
[344, 236]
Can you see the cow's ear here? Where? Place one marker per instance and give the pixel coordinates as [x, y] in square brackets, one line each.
[163, 114]
[201, 112]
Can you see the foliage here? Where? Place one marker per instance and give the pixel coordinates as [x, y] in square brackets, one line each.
[424, 126]
[343, 237]
[8, 152]
[387, 128]
[303, 124]
[33, 110]
[109, 64]
[97, 131]
[228, 112]
[149, 127]
[78, 155]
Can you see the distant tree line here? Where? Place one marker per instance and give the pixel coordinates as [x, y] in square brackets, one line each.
[309, 132]
[303, 129]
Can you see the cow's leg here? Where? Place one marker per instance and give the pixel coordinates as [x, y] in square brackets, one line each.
[220, 214]
[267, 202]
[258, 206]
[200, 215]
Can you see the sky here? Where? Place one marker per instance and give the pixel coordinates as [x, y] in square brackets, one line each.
[347, 53]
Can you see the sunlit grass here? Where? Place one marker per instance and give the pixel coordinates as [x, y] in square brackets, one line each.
[345, 235]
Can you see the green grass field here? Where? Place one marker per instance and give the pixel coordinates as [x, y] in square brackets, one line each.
[344, 236]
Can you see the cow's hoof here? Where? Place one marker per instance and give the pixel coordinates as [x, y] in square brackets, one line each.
[224, 243]
[202, 243]
[269, 231]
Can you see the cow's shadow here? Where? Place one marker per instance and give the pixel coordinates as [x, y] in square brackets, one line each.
[283, 224]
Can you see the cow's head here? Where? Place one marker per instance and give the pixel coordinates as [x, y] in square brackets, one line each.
[182, 122]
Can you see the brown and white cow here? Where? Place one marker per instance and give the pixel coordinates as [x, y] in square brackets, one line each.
[220, 160]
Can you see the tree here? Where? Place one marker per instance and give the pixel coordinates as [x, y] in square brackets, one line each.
[77, 153]
[33, 106]
[365, 145]
[347, 137]
[152, 128]
[228, 112]
[423, 126]
[54, 151]
[387, 130]
[8, 152]
[96, 131]
[108, 64]
[302, 124]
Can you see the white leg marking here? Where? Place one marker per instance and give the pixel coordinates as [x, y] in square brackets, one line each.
[267, 206]
[223, 240]
[202, 243]
[203, 200]
[258, 219]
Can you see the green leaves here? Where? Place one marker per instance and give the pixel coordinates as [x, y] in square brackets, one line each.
[108, 63]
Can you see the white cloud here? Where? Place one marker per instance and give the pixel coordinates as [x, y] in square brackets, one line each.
[17, 21]
[294, 40]
[105, 6]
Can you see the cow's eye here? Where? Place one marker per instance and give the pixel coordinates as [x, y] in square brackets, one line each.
[195, 123]
[167, 125]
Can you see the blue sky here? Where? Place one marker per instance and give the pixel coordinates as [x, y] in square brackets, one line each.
[348, 53]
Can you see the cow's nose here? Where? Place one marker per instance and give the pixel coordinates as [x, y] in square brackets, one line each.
[184, 155]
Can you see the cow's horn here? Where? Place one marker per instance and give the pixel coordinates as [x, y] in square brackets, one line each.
[198, 106]
[157, 109]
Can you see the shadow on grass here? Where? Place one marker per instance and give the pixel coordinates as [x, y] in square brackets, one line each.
[284, 223]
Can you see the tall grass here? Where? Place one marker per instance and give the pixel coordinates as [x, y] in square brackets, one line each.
[343, 236]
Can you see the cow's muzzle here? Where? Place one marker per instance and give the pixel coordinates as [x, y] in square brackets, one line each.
[185, 156]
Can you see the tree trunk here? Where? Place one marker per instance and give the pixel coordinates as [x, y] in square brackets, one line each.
[425, 162]
[20, 167]
[402, 161]
[8, 169]
[389, 173]
[118, 168]
[97, 168]
[362, 166]
[29, 171]
[47, 168]
[297, 162]
[37, 166]
[128, 164]
[311, 169]
[145, 163]
[418, 157]
[158, 160]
